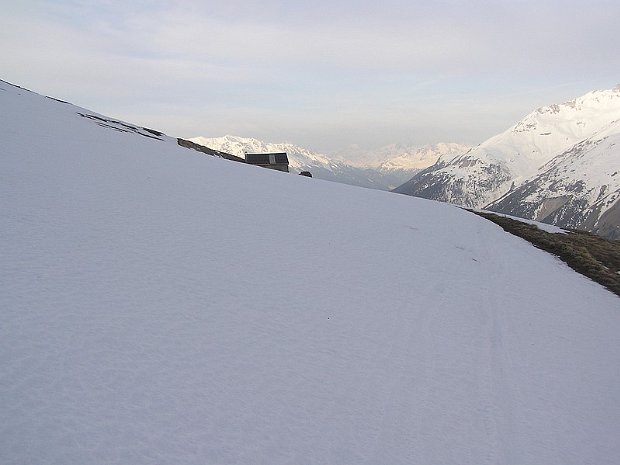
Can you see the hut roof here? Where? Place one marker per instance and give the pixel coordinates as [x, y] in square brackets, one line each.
[266, 158]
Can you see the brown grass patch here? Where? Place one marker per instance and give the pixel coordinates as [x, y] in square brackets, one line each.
[591, 255]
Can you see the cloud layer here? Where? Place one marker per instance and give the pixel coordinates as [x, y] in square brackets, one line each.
[325, 75]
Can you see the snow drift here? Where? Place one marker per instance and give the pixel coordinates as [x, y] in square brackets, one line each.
[163, 306]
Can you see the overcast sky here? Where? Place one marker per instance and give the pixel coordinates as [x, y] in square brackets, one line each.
[322, 74]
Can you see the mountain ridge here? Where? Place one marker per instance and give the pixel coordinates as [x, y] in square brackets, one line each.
[515, 158]
[393, 164]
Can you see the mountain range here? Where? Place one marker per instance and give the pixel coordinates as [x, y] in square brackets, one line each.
[558, 165]
[385, 168]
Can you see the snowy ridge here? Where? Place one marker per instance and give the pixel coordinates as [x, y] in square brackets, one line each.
[400, 156]
[28, 98]
[127, 336]
[549, 131]
[302, 159]
[575, 189]
[299, 157]
[417, 158]
[512, 158]
[391, 166]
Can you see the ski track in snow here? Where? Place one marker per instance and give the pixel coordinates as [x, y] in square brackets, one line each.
[160, 306]
[500, 387]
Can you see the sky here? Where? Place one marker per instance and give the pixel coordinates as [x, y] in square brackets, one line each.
[326, 74]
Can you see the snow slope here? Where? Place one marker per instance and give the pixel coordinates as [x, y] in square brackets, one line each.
[163, 306]
[491, 169]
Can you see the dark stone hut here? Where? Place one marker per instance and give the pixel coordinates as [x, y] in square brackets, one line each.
[274, 161]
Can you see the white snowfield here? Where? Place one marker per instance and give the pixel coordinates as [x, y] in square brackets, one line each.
[159, 306]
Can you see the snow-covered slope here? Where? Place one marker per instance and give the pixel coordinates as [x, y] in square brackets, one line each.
[163, 306]
[302, 159]
[578, 189]
[489, 170]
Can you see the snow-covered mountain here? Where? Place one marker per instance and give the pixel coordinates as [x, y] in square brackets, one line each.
[525, 151]
[384, 168]
[577, 189]
[403, 157]
[302, 159]
[164, 306]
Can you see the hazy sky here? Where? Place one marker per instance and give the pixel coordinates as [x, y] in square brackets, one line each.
[323, 74]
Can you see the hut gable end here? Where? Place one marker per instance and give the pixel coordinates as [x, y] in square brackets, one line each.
[276, 161]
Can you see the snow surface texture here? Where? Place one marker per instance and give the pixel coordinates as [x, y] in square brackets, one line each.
[521, 154]
[162, 306]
